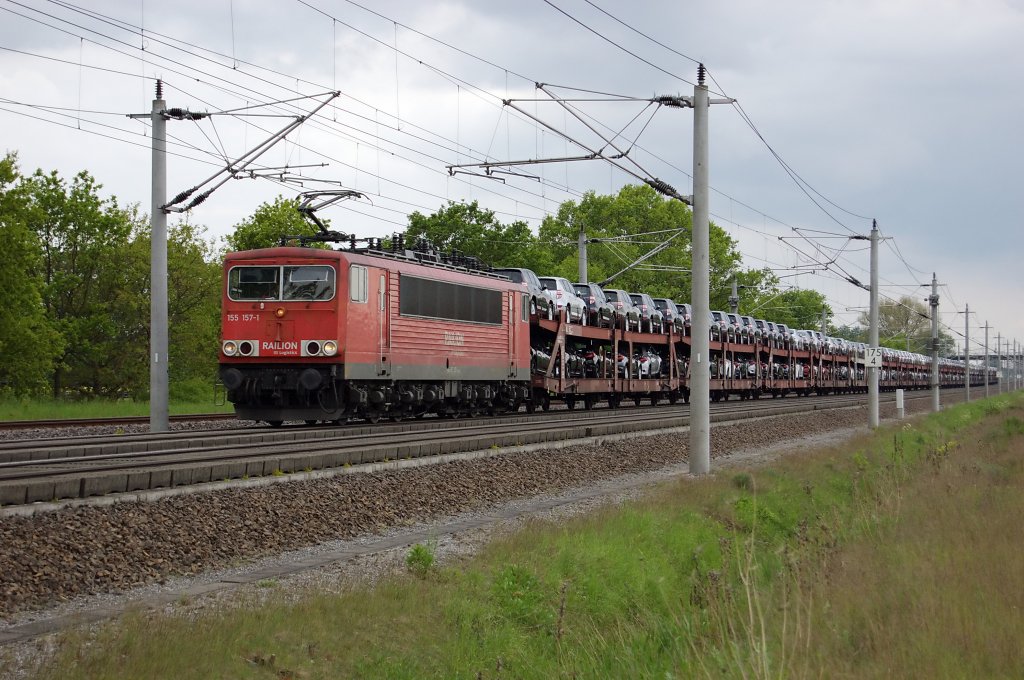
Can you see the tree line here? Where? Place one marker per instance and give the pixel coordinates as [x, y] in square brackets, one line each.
[74, 316]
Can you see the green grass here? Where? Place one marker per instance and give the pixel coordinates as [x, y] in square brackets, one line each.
[898, 556]
[48, 409]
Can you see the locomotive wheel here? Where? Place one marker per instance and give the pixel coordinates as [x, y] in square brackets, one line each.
[311, 422]
[373, 417]
[397, 416]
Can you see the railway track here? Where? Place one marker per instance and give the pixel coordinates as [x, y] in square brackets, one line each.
[33, 471]
[122, 420]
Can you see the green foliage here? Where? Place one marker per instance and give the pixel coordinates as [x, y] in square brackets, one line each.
[84, 239]
[906, 324]
[520, 597]
[270, 222]
[468, 228]
[420, 559]
[75, 314]
[797, 308]
[29, 341]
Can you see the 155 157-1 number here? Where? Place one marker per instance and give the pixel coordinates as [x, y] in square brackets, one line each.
[243, 317]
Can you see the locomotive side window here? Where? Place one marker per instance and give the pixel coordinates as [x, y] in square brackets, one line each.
[451, 301]
[308, 282]
[358, 286]
[254, 283]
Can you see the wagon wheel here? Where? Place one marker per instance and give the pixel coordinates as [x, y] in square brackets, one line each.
[311, 422]
[588, 402]
[636, 400]
[275, 423]
[570, 404]
[673, 397]
[545, 404]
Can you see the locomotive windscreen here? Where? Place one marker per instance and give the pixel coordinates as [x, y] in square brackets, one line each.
[277, 282]
[451, 301]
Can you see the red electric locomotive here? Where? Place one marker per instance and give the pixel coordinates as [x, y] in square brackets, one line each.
[322, 335]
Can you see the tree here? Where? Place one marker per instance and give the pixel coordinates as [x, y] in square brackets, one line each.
[193, 311]
[84, 240]
[902, 324]
[271, 221]
[472, 230]
[797, 308]
[29, 344]
[626, 226]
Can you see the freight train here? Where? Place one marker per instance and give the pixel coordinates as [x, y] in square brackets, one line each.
[322, 335]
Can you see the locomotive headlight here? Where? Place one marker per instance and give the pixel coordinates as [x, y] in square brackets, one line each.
[330, 348]
[279, 312]
[230, 348]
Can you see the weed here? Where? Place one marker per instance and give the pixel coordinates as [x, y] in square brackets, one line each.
[421, 558]
[278, 472]
[743, 481]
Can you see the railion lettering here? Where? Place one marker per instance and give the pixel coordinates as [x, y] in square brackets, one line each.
[281, 346]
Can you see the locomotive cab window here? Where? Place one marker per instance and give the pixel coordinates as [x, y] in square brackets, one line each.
[358, 283]
[254, 283]
[308, 282]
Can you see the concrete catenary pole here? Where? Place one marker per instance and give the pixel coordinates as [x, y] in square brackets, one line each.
[1009, 366]
[824, 321]
[999, 361]
[967, 352]
[700, 375]
[933, 300]
[986, 360]
[158, 409]
[873, 328]
[582, 245]
[734, 298]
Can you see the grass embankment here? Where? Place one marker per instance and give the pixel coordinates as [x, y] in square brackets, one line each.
[49, 409]
[898, 556]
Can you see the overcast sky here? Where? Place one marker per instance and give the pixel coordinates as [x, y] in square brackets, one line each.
[907, 111]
